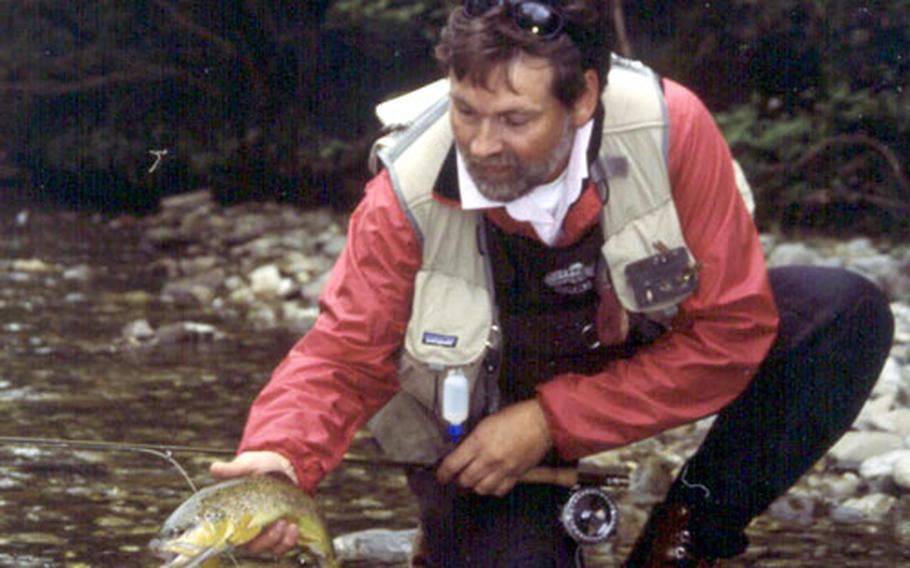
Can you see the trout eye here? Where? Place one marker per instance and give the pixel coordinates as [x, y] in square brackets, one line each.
[172, 531]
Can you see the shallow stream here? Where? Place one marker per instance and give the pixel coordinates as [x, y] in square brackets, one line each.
[68, 285]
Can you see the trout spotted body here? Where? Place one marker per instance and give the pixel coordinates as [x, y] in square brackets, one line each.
[231, 513]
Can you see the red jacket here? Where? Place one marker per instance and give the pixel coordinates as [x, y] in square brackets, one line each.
[344, 369]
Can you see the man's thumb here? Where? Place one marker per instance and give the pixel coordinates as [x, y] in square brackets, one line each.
[254, 463]
[225, 470]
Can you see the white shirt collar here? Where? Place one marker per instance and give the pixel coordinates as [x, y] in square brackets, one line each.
[545, 206]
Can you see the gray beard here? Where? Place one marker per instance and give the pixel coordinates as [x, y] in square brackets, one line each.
[526, 176]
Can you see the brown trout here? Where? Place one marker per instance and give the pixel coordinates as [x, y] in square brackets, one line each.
[229, 514]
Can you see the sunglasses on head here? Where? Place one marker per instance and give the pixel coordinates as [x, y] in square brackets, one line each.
[538, 18]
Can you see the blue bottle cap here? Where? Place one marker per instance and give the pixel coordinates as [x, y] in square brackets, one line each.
[456, 431]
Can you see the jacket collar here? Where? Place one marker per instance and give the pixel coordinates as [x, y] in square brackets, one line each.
[447, 182]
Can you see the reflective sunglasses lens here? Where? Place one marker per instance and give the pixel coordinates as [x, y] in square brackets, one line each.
[539, 19]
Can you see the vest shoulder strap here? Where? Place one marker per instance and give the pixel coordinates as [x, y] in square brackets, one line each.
[649, 263]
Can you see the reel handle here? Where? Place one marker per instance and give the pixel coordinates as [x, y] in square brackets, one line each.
[562, 476]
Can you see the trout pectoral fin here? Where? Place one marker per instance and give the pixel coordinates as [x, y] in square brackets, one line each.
[244, 531]
[216, 533]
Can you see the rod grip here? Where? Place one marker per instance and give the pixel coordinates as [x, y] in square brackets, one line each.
[586, 474]
[563, 476]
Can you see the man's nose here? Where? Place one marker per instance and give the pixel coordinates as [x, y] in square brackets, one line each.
[487, 141]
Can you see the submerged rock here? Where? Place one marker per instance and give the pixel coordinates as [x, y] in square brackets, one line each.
[138, 331]
[33, 265]
[140, 336]
[188, 332]
[376, 545]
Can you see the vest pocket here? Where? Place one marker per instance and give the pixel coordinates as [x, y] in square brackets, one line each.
[450, 326]
[408, 431]
[410, 426]
[450, 320]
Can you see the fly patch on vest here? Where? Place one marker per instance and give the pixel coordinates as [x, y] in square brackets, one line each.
[578, 278]
[533, 278]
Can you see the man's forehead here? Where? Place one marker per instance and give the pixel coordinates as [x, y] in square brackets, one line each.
[526, 78]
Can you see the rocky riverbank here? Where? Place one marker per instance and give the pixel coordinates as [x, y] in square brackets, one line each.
[265, 264]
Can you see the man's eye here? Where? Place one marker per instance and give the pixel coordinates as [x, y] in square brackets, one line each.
[465, 112]
[516, 121]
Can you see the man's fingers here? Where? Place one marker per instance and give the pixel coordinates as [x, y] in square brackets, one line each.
[458, 460]
[495, 483]
[288, 542]
[279, 538]
[254, 463]
[471, 476]
[224, 470]
[268, 539]
[505, 486]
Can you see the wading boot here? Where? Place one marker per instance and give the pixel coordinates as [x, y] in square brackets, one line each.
[667, 541]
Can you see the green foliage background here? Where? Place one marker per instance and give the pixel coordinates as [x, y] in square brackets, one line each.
[274, 99]
[851, 113]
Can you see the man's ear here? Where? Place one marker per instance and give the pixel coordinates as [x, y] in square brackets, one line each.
[584, 107]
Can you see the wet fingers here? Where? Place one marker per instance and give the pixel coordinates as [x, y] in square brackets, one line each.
[288, 540]
[270, 538]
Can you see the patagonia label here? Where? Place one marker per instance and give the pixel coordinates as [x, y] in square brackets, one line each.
[439, 340]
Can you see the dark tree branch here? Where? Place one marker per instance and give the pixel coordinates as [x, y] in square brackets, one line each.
[815, 151]
[183, 21]
[58, 88]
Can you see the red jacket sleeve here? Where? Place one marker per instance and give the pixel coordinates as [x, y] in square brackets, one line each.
[723, 330]
[344, 369]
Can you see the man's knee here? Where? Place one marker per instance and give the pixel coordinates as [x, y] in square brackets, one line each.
[816, 296]
[865, 315]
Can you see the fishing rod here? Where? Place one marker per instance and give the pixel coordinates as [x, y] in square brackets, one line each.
[164, 451]
[584, 474]
[590, 515]
[110, 446]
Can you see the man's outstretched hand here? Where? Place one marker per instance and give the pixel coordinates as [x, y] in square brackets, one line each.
[280, 537]
[502, 447]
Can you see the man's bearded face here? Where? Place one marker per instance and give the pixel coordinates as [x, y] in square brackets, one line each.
[505, 176]
[512, 132]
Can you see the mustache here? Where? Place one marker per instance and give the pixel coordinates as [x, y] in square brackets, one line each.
[504, 159]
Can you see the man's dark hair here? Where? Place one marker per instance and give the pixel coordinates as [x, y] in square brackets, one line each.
[473, 46]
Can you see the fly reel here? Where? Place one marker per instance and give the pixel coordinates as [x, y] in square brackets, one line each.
[590, 516]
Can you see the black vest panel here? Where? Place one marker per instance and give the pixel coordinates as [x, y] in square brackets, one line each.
[547, 299]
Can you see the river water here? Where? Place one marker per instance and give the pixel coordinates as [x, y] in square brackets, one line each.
[69, 283]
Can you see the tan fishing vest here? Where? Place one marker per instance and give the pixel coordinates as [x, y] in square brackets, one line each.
[453, 321]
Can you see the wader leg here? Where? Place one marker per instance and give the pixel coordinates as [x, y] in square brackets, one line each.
[835, 334]
[522, 529]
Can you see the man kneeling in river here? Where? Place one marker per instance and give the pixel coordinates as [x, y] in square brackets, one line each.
[564, 229]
